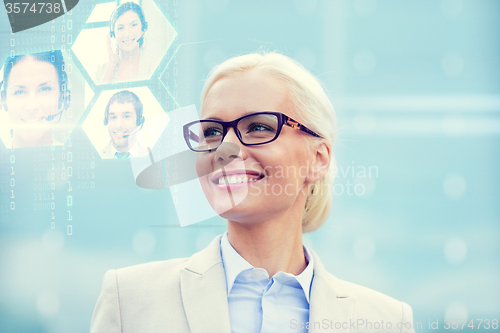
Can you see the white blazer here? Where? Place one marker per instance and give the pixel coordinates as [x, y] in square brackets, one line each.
[189, 295]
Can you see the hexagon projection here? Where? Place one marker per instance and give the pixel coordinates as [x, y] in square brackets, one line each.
[28, 120]
[126, 128]
[179, 73]
[130, 50]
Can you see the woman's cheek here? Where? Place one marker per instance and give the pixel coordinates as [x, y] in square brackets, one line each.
[204, 164]
[205, 186]
[14, 115]
[254, 191]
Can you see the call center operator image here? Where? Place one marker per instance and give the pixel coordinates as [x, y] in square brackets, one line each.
[127, 59]
[123, 117]
[273, 122]
[35, 94]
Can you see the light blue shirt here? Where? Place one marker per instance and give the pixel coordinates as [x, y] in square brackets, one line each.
[259, 304]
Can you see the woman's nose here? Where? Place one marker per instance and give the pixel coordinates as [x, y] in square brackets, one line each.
[229, 149]
[32, 104]
[225, 154]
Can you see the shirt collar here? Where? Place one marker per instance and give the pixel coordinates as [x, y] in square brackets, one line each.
[305, 278]
[234, 264]
[134, 151]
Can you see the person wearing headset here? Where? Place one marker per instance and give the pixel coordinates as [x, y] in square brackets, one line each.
[267, 131]
[123, 116]
[35, 94]
[126, 43]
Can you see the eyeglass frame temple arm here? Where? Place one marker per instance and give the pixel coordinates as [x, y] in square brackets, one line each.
[298, 126]
[193, 136]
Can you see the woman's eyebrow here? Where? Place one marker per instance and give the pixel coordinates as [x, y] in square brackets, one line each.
[18, 86]
[47, 83]
[212, 118]
[220, 119]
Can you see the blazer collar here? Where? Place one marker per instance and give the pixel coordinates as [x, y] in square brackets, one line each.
[203, 289]
[204, 294]
[329, 301]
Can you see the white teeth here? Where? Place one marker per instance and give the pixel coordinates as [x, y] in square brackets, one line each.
[33, 120]
[236, 180]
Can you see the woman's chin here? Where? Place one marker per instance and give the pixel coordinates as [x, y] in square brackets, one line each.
[232, 213]
[32, 138]
[129, 48]
[223, 201]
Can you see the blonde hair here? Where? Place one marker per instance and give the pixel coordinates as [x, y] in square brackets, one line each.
[310, 102]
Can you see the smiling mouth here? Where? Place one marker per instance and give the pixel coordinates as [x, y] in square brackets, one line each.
[237, 179]
[32, 120]
[128, 41]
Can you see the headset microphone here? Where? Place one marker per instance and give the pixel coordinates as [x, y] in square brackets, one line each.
[52, 116]
[140, 39]
[60, 110]
[133, 132]
[144, 29]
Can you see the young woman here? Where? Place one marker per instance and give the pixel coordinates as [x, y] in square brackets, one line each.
[35, 95]
[127, 61]
[267, 132]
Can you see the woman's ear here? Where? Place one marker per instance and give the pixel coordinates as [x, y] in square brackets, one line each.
[322, 153]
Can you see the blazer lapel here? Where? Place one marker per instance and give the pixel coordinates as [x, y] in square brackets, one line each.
[330, 306]
[203, 288]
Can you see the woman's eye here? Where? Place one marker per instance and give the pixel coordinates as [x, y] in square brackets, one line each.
[45, 89]
[19, 92]
[256, 127]
[211, 132]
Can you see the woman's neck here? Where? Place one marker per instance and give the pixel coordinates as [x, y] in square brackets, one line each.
[128, 67]
[131, 56]
[274, 245]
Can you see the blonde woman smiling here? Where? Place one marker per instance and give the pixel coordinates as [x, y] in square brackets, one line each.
[263, 114]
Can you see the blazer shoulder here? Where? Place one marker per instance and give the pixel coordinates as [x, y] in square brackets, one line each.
[371, 304]
[368, 303]
[143, 298]
[366, 294]
[157, 271]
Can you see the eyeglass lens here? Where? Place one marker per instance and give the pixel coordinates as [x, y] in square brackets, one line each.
[254, 129]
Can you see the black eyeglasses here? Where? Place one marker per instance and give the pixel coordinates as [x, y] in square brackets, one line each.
[252, 129]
